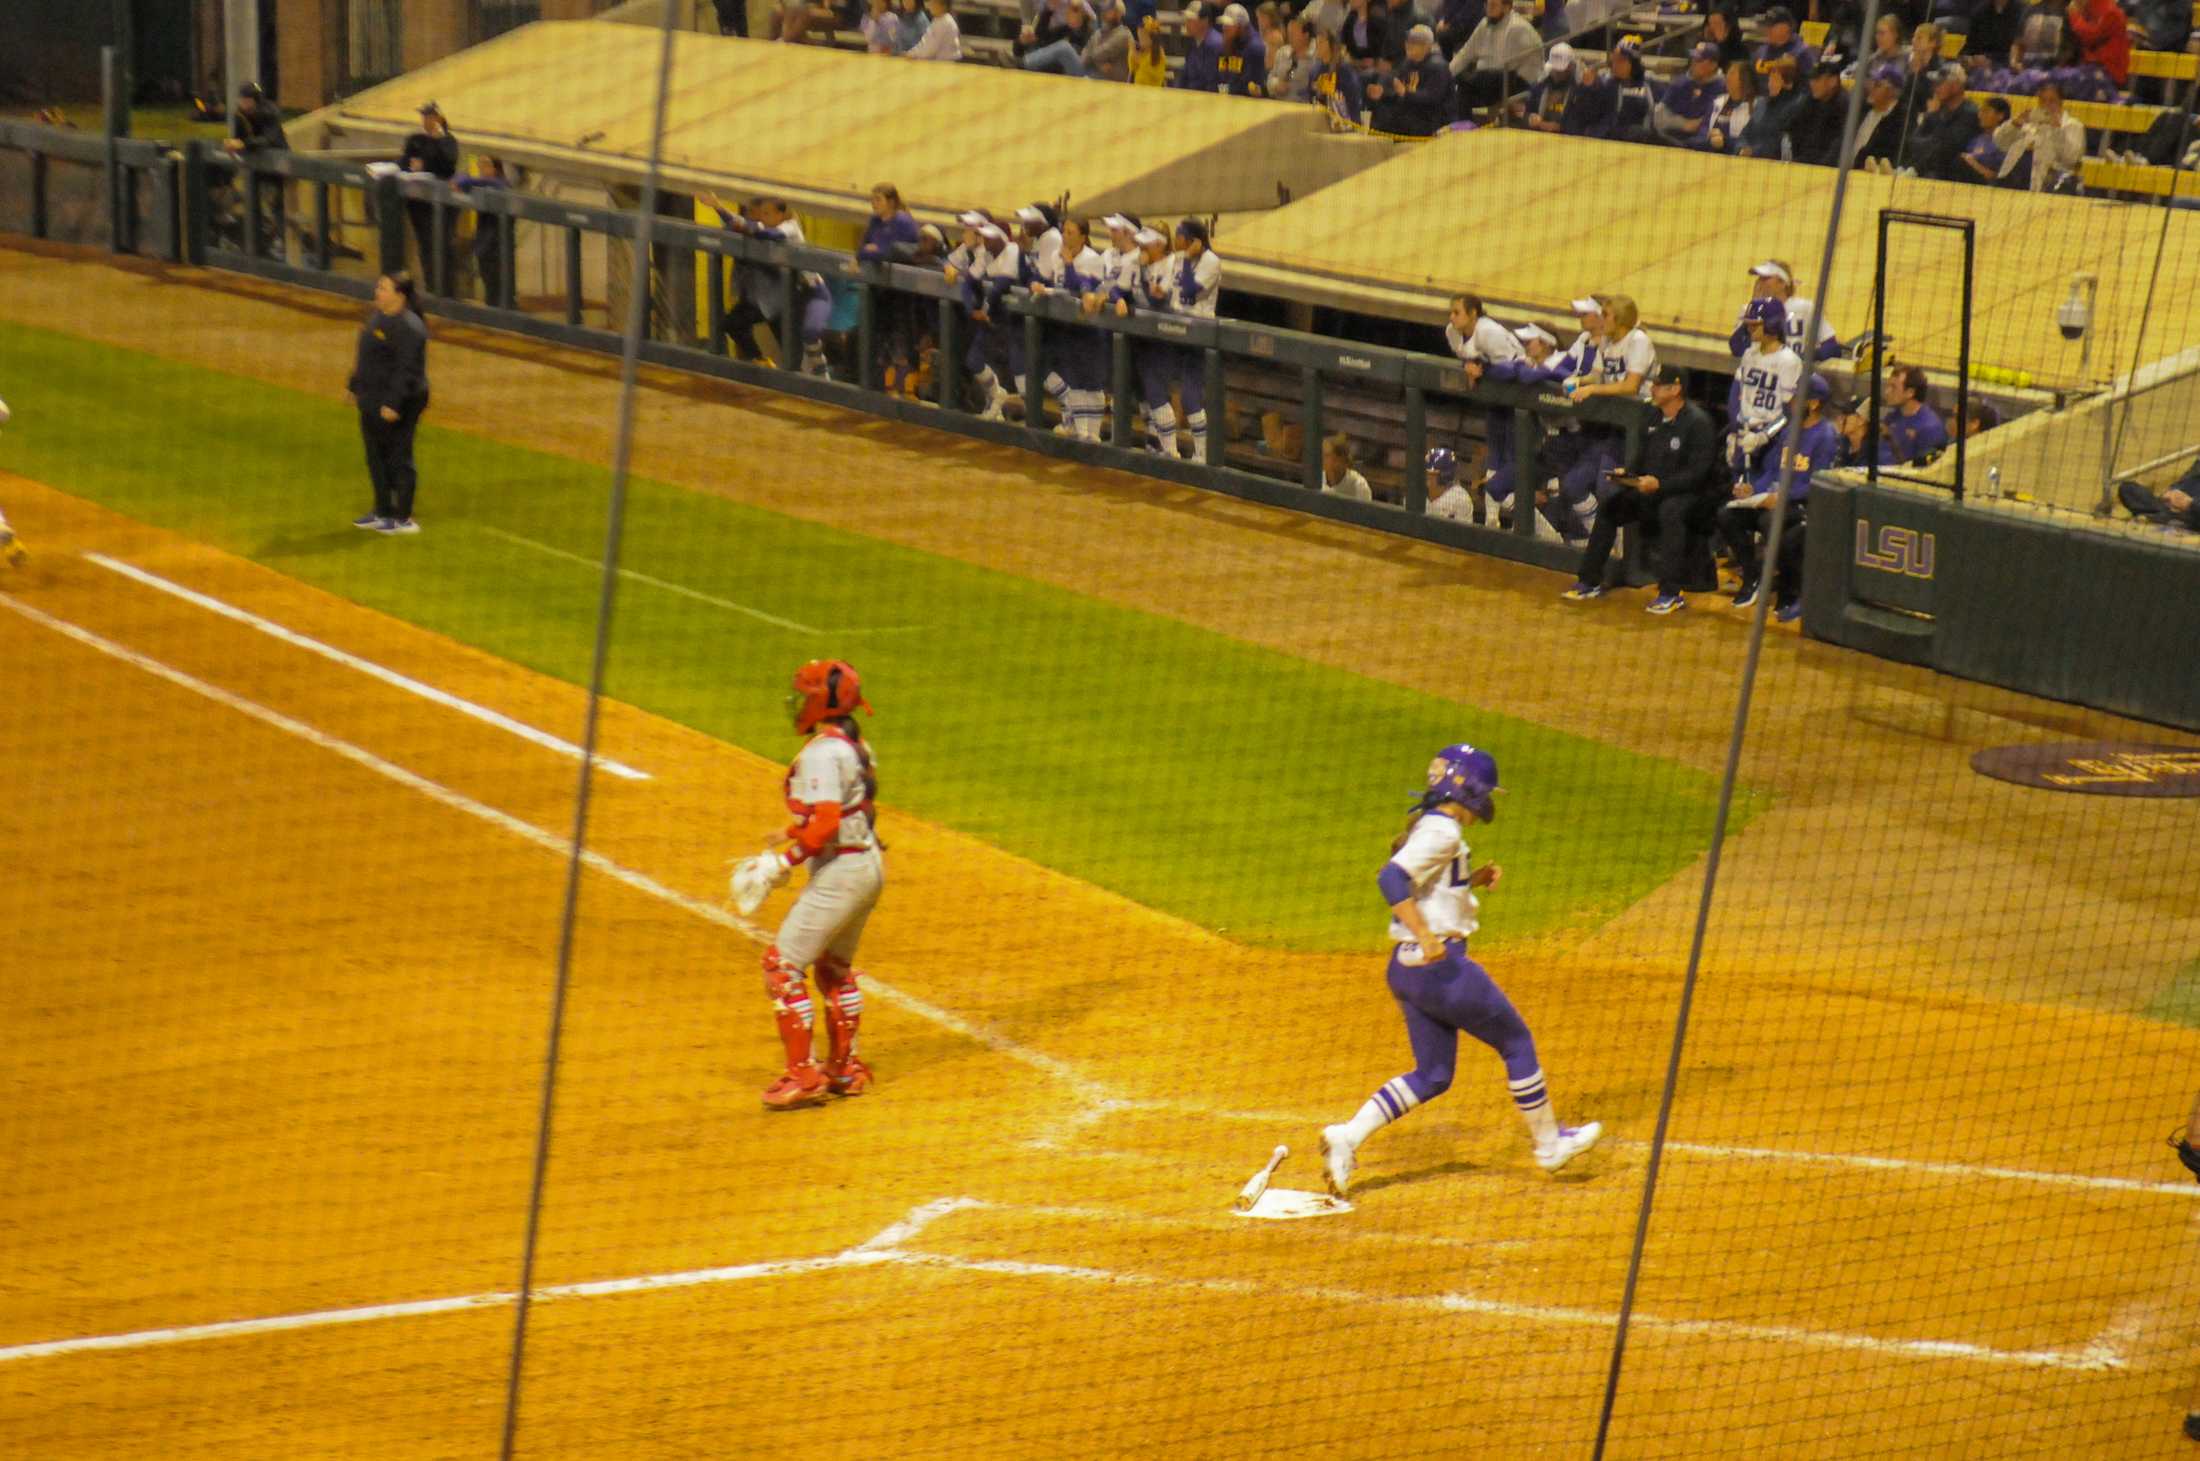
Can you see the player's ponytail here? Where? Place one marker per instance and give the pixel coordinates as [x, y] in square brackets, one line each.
[1406, 831]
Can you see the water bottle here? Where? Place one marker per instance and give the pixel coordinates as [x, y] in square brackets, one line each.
[1993, 482]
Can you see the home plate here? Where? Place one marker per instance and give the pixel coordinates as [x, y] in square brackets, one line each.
[1282, 1202]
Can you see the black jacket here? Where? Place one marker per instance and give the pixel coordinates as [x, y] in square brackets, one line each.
[1814, 131]
[392, 366]
[262, 130]
[1937, 139]
[438, 155]
[1683, 454]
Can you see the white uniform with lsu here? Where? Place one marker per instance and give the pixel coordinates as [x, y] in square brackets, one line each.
[848, 874]
[1765, 384]
[1435, 859]
[1489, 343]
[1631, 354]
[1199, 300]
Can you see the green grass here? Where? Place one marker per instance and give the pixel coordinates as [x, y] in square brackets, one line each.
[2178, 1002]
[1241, 788]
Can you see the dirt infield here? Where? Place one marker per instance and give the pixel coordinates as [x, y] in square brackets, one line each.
[278, 1052]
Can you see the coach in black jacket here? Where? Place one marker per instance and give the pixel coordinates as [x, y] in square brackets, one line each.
[1674, 494]
[389, 381]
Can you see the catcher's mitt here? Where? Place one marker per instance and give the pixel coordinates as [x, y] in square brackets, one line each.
[754, 878]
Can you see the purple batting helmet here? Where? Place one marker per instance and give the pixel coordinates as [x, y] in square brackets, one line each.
[1770, 313]
[1464, 775]
[1443, 466]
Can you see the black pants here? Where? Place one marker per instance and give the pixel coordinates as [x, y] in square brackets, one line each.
[390, 459]
[1744, 527]
[435, 273]
[1677, 522]
[489, 261]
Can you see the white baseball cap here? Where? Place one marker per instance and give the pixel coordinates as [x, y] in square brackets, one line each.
[1422, 34]
[1030, 213]
[1769, 270]
[1536, 332]
[1562, 57]
[1235, 15]
[1586, 306]
[972, 219]
[992, 230]
[1148, 237]
[1114, 221]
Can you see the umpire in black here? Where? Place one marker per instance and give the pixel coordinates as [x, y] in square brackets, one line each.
[1673, 494]
[390, 383]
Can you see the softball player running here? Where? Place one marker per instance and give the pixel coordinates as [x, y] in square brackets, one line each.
[11, 546]
[1440, 991]
[831, 789]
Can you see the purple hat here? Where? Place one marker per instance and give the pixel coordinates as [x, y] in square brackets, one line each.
[1770, 313]
[1464, 775]
[1704, 51]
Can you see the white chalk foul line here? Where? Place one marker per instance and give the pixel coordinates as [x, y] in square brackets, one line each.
[1084, 1087]
[864, 1254]
[667, 585]
[365, 667]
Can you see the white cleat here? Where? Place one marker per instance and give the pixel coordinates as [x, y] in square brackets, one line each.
[1572, 1142]
[1337, 1153]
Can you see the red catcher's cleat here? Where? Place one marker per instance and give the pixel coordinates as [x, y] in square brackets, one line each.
[800, 1086]
[850, 1077]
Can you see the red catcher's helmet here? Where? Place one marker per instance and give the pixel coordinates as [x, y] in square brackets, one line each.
[825, 689]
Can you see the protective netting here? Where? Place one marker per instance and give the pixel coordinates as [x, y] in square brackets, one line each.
[338, 1017]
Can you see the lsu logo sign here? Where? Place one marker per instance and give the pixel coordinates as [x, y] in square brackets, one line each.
[1889, 549]
[2099, 768]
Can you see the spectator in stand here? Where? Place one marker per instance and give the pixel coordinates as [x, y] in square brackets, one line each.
[733, 17]
[1722, 31]
[1781, 40]
[891, 235]
[2080, 79]
[255, 124]
[1335, 82]
[1632, 98]
[1994, 25]
[1923, 60]
[763, 287]
[1982, 157]
[1241, 67]
[881, 29]
[1539, 351]
[1288, 63]
[942, 38]
[1854, 428]
[1326, 15]
[432, 151]
[2178, 507]
[2159, 25]
[1887, 51]
[1879, 130]
[1504, 55]
[2054, 144]
[1979, 416]
[1455, 21]
[1746, 518]
[1107, 54]
[1367, 35]
[1943, 130]
[1814, 131]
[1149, 62]
[1055, 41]
[1680, 112]
[1202, 69]
[1570, 99]
[1912, 430]
[1773, 279]
[1415, 101]
[1730, 110]
[910, 24]
[1338, 478]
[2103, 37]
[1766, 132]
[1674, 495]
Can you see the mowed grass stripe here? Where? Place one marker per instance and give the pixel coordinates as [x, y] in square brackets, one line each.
[1238, 787]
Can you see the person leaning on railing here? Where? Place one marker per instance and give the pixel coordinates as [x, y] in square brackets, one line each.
[256, 127]
[489, 258]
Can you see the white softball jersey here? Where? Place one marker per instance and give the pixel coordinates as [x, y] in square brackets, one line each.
[1435, 858]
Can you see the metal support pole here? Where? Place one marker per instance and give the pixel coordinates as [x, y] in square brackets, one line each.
[192, 223]
[1035, 393]
[1218, 414]
[115, 120]
[438, 269]
[321, 246]
[572, 275]
[507, 228]
[1527, 469]
[790, 321]
[1879, 346]
[947, 364]
[255, 246]
[714, 303]
[1963, 363]
[389, 219]
[1310, 427]
[867, 374]
[240, 47]
[1416, 450]
[39, 222]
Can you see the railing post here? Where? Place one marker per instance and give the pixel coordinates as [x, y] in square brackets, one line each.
[572, 275]
[1122, 391]
[867, 373]
[39, 221]
[321, 246]
[438, 269]
[1416, 450]
[1035, 391]
[947, 363]
[1218, 414]
[389, 218]
[714, 302]
[507, 227]
[1527, 468]
[1310, 427]
[253, 243]
[192, 212]
[790, 322]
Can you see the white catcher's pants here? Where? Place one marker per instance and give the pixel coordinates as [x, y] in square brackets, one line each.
[829, 914]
